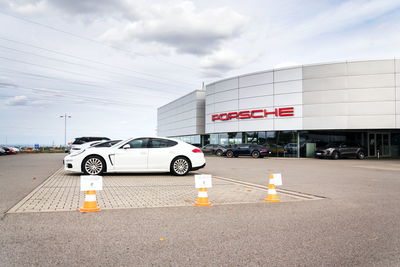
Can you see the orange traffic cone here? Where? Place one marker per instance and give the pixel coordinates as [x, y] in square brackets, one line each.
[272, 195]
[90, 203]
[202, 198]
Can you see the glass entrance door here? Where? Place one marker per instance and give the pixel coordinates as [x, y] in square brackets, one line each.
[379, 144]
[371, 145]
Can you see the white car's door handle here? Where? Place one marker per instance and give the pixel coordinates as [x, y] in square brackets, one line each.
[143, 153]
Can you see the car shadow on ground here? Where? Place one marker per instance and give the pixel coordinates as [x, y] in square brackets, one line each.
[136, 174]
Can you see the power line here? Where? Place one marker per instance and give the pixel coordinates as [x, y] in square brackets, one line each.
[93, 61]
[91, 99]
[95, 41]
[81, 65]
[85, 75]
[39, 77]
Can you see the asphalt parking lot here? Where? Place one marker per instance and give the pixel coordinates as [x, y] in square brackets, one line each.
[355, 224]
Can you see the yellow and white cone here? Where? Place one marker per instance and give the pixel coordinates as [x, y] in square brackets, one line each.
[90, 203]
[272, 194]
[202, 198]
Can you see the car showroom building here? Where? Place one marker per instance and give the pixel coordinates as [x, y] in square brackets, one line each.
[294, 110]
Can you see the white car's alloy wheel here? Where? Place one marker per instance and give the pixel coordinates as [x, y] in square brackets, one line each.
[181, 166]
[93, 166]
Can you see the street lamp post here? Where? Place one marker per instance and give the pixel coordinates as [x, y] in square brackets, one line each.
[65, 116]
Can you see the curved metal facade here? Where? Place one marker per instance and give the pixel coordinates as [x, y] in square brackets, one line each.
[343, 95]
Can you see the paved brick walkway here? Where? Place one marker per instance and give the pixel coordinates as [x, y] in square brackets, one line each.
[61, 192]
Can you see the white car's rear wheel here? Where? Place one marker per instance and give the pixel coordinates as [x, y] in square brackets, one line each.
[180, 166]
[93, 165]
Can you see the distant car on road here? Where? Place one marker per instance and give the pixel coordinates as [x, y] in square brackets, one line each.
[340, 150]
[253, 150]
[16, 150]
[142, 154]
[2, 151]
[214, 149]
[84, 142]
[8, 150]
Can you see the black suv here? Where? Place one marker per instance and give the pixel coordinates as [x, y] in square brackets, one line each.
[340, 150]
[106, 143]
[256, 151]
[218, 150]
[82, 140]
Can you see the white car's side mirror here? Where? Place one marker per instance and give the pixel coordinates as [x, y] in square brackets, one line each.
[126, 146]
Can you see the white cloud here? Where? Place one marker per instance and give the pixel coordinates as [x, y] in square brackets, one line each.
[72, 7]
[29, 7]
[22, 100]
[179, 25]
[182, 26]
[224, 60]
[19, 100]
[335, 18]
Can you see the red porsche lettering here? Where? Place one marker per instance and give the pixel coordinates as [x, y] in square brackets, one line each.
[244, 115]
[256, 113]
[283, 112]
[233, 115]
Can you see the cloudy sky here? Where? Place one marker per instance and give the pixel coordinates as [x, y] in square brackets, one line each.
[110, 63]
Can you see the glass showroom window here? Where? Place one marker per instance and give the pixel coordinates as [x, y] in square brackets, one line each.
[395, 144]
[250, 137]
[262, 138]
[214, 139]
[205, 139]
[271, 144]
[234, 138]
[311, 140]
[288, 141]
[223, 139]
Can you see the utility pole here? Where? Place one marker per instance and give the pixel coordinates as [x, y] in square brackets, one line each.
[65, 116]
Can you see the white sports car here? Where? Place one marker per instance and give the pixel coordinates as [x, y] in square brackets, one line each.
[143, 154]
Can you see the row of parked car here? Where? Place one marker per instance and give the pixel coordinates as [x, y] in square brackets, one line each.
[333, 150]
[253, 150]
[8, 150]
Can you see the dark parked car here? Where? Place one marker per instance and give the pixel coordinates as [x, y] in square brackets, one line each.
[2, 151]
[82, 140]
[256, 151]
[341, 150]
[106, 143]
[76, 145]
[218, 150]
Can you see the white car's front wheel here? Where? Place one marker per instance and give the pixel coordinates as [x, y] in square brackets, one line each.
[93, 165]
[180, 166]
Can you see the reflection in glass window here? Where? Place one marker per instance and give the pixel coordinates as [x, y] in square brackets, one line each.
[138, 143]
[251, 137]
[234, 138]
[214, 139]
[223, 139]
[160, 143]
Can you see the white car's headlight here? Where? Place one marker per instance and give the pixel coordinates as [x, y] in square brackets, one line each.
[77, 153]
